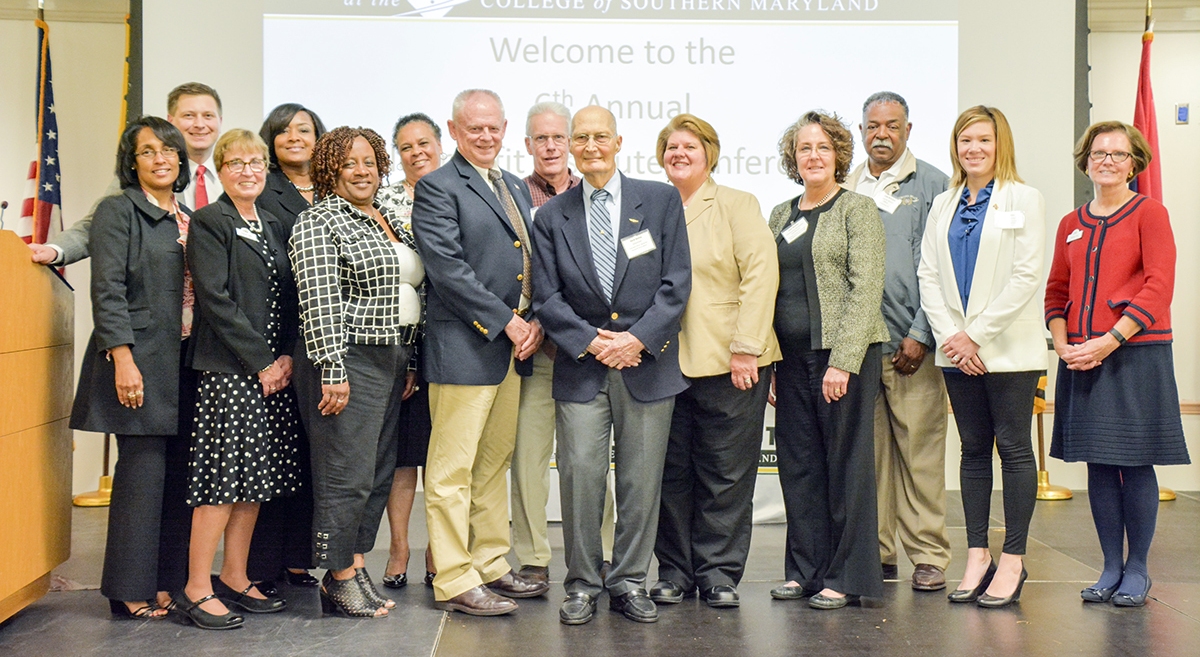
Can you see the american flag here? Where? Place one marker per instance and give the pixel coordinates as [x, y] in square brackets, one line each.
[41, 214]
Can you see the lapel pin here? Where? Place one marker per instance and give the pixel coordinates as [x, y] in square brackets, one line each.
[633, 220]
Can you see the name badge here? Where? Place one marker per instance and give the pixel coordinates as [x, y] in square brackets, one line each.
[247, 234]
[1075, 234]
[638, 244]
[887, 202]
[795, 230]
[1010, 220]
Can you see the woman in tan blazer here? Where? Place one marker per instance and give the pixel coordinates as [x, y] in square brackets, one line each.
[981, 287]
[726, 346]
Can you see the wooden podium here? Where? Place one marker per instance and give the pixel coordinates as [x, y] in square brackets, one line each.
[37, 328]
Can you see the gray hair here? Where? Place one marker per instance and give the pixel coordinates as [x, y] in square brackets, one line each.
[546, 107]
[886, 97]
[460, 101]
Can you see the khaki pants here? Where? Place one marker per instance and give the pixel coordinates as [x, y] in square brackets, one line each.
[910, 464]
[466, 501]
[531, 470]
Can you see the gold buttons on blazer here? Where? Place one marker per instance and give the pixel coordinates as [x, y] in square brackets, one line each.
[480, 327]
[517, 244]
[520, 277]
[614, 315]
[668, 343]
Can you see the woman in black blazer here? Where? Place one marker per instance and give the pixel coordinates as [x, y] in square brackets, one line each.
[132, 383]
[282, 543]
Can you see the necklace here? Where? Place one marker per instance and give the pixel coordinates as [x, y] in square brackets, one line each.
[822, 201]
[303, 190]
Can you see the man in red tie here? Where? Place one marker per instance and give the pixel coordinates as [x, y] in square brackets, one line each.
[195, 109]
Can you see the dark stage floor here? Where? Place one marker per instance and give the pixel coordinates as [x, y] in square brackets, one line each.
[1049, 620]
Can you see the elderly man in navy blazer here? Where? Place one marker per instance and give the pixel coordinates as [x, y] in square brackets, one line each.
[471, 221]
[612, 273]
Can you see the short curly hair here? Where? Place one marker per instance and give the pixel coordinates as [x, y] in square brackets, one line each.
[331, 149]
[1139, 148]
[834, 128]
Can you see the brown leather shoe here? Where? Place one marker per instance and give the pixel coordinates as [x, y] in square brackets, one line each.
[928, 578]
[535, 574]
[478, 601]
[512, 585]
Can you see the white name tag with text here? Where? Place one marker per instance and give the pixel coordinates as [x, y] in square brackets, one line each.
[1010, 220]
[246, 233]
[638, 244]
[795, 230]
[1075, 234]
[886, 202]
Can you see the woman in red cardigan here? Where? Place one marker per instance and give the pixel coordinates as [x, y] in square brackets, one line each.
[1108, 307]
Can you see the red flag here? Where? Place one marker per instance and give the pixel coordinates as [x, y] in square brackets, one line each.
[1149, 182]
[41, 214]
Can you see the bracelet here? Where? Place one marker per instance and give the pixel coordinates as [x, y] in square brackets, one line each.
[1117, 334]
[267, 367]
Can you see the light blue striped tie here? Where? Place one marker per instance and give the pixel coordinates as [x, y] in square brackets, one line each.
[604, 247]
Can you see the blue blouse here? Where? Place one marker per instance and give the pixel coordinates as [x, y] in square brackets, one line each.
[965, 230]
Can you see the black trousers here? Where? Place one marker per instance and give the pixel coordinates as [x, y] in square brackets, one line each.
[707, 510]
[149, 521]
[996, 409]
[283, 533]
[354, 452]
[826, 455]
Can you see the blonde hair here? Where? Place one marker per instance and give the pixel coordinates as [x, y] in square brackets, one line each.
[238, 139]
[700, 129]
[1139, 148]
[1006, 156]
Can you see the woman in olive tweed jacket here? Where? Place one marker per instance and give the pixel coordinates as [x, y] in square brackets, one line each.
[827, 316]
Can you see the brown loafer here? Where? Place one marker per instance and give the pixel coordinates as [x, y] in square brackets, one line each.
[512, 585]
[928, 578]
[478, 601]
[535, 574]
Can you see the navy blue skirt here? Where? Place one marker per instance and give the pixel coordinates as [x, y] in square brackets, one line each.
[1124, 412]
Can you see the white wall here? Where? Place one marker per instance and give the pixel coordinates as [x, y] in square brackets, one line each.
[88, 66]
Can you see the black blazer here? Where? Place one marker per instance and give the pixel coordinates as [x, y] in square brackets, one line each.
[281, 199]
[472, 261]
[137, 300]
[233, 290]
[650, 291]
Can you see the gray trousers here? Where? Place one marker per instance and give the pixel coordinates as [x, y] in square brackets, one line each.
[640, 432]
[354, 452]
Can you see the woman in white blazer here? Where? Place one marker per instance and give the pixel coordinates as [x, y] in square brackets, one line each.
[981, 286]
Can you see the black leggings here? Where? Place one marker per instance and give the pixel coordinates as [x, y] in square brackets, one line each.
[996, 409]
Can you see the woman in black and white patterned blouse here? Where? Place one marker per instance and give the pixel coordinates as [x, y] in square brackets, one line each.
[357, 274]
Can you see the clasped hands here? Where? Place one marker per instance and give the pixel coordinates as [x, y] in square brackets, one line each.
[616, 349]
[1087, 355]
[526, 336]
[276, 377]
[963, 353]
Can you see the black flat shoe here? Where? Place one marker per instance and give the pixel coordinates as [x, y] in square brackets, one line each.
[396, 581]
[992, 602]
[723, 595]
[971, 595]
[267, 588]
[820, 601]
[345, 597]
[224, 593]
[121, 611]
[202, 619]
[429, 578]
[1120, 599]
[786, 592]
[297, 579]
[369, 590]
[1094, 594]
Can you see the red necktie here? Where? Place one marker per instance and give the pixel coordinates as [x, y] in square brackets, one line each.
[201, 191]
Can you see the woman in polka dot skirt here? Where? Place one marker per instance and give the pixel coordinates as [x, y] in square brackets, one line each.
[247, 422]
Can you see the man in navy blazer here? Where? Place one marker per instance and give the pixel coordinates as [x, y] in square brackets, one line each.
[612, 273]
[471, 222]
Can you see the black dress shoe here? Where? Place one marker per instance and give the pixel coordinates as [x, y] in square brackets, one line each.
[786, 592]
[303, 579]
[200, 618]
[512, 585]
[992, 602]
[267, 588]
[636, 605]
[224, 593]
[666, 592]
[429, 578]
[577, 609]
[891, 571]
[723, 595]
[971, 595]
[396, 581]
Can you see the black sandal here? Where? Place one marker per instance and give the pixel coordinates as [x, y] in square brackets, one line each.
[372, 593]
[200, 618]
[345, 597]
[121, 611]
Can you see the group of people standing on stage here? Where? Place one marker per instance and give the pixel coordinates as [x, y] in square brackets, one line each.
[290, 338]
